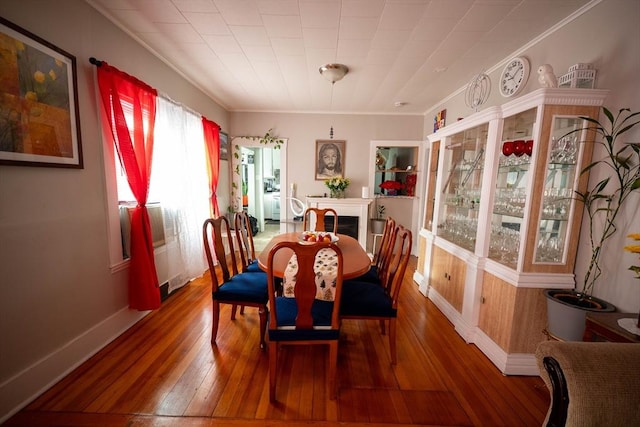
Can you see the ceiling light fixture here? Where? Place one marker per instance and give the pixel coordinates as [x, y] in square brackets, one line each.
[334, 72]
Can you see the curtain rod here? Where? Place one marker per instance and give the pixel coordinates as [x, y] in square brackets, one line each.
[95, 61]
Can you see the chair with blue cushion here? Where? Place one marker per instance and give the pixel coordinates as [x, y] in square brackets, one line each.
[228, 285]
[365, 300]
[380, 262]
[244, 236]
[319, 219]
[307, 317]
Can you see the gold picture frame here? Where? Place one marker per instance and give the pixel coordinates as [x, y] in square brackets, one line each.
[39, 119]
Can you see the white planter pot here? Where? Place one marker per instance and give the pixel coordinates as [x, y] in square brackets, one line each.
[567, 312]
[377, 226]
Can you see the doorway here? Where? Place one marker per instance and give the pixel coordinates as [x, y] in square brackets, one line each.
[261, 175]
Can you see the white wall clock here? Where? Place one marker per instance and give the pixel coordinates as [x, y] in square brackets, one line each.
[514, 76]
[478, 91]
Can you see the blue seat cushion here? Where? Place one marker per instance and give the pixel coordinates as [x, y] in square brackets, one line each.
[365, 299]
[254, 268]
[370, 276]
[248, 287]
[287, 310]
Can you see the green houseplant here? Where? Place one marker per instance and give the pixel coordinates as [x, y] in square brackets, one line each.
[603, 202]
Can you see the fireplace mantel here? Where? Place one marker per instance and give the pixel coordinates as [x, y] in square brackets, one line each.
[347, 207]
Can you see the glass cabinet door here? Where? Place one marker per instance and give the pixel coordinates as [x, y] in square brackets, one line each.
[512, 177]
[562, 172]
[464, 159]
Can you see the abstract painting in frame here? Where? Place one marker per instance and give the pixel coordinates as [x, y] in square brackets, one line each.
[224, 146]
[39, 120]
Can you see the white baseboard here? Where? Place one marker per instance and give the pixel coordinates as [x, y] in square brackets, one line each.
[508, 363]
[421, 281]
[17, 391]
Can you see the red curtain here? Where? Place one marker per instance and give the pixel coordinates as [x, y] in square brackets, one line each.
[134, 144]
[212, 141]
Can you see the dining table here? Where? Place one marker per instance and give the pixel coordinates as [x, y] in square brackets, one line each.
[356, 261]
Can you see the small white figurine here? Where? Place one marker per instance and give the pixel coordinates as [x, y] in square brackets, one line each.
[546, 78]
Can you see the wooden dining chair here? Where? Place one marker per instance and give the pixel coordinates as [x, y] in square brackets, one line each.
[229, 286]
[365, 300]
[380, 262]
[320, 219]
[308, 316]
[244, 237]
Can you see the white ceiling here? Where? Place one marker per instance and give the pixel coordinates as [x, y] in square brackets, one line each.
[264, 55]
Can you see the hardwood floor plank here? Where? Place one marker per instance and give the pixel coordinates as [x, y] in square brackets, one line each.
[164, 371]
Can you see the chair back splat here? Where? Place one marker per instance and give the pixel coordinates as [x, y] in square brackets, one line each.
[244, 236]
[228, 286]
[320, 219]
[306, 315]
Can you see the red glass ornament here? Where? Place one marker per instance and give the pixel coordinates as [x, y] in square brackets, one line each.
[507, 148]
[518, 147]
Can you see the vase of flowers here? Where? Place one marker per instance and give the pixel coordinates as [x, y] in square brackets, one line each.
[392, 188]
[337, 186]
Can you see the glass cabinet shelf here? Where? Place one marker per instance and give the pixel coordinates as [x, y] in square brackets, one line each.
[464, 157]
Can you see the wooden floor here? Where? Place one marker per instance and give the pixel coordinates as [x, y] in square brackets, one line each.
[164, 372]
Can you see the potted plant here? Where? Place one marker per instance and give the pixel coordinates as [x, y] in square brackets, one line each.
[603, 202]
[377, 223]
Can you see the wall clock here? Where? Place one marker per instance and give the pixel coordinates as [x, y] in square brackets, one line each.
[514, 76]
[477, 91]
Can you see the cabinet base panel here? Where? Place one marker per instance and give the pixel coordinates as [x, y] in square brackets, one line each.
[507, 363]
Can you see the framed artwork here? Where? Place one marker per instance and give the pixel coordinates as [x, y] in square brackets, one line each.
[330, 158]
[224, 146]
[39, 120]
[439, 120]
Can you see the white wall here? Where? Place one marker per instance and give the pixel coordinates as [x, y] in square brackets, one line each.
[59, 301]
[607, 36]
[302, 131]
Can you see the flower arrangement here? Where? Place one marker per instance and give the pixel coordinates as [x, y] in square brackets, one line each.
[636, 250]
[337, 186]
[391, 185]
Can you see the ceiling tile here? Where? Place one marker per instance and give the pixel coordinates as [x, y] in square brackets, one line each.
[356, 27]
[325, 14]
[223, 44]
[208, 23]
[283, 26]
[265, 54]
[320, 38]
[399, 16]
[278, 7]
[198, 6]
[159, 11]
[250, 35]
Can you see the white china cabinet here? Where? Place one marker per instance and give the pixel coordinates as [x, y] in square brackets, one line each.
[501, 220]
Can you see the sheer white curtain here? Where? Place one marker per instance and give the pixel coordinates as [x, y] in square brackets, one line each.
[179, 180]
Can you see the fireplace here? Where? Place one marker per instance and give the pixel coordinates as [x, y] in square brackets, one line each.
[346, 225]
[348, 208]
